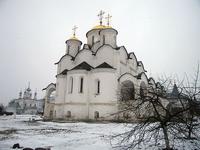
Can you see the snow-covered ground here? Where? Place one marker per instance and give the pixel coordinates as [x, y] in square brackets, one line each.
[59, 136]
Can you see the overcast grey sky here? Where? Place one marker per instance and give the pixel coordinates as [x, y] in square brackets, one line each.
[164, 34]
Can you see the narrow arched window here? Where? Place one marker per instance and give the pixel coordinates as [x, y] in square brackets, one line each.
[81, 85]
[96, 114]
[97, 86]
[103, 39]
[70, 84]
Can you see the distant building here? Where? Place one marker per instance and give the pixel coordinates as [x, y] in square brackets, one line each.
[178, 101]
[26, 103]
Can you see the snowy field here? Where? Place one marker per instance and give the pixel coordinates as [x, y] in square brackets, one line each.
[59, 136]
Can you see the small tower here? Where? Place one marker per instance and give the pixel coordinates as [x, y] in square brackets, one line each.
[73, 45]
[109, 34]
[175, 93]
[28, 89]
[27, 92]
[35, 95]
[24, 96]
[93, 36]
[102, 34]
[20, 94]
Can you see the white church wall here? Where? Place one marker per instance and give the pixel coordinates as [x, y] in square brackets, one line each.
[144, 78]
[105, 111]
[73, 46]
[93, 36]
[140, 69]
[78, 111]
[132, 65]
[107, 91]
[61, 88]
[123, 55]
[133, 60]
[96, 46]
[105, 54]
[58, 111]
[123, 68]
[84, 55]
[76, 96]
[108, 36]
[65, 63]
[49, 105]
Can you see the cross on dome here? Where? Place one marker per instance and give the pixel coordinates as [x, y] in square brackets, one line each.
[74, 30]
[108, 19]
[100, 15]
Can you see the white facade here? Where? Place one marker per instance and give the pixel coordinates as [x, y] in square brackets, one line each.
[89, 79]
[26, 103]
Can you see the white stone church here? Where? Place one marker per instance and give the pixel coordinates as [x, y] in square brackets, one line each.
[90, 77]
[26, 103]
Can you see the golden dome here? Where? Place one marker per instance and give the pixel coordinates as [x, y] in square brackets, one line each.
[108, 27]
[101, 27]
[74, 38]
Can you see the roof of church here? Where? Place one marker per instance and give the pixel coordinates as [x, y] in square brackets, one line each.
[73, 39]
[175, 91]
[151, 79]
[175, 94]
[139, 76]
[64, 72]
[104, 65]
[99, 27]
[84, 65]
[49, 85]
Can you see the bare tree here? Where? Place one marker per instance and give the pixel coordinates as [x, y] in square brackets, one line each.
[191, 92]
[159, 119]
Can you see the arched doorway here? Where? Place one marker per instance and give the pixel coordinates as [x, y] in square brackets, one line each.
[127, 91]
[51, 95]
